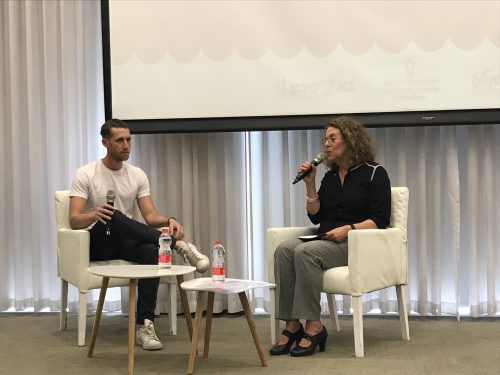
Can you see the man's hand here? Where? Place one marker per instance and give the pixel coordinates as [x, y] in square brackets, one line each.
[79, 219]
[176, 228]
[103, 213]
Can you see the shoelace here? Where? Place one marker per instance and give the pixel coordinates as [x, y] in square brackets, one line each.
[150, 333]
[191, 253]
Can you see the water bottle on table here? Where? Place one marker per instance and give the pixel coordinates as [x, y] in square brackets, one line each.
[164, 250]
[218, 262]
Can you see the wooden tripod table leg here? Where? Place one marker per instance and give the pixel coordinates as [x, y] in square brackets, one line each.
[196, 330]
[132, 301]
[185, 306]
[208, 322]
[251, 324]
[98, 313]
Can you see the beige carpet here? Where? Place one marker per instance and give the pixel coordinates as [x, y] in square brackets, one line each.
[32, 344]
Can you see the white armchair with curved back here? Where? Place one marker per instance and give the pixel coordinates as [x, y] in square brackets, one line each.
[378, 259]
[73, 261]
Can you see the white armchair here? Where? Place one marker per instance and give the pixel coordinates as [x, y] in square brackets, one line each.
[378, 259]
[73, 261]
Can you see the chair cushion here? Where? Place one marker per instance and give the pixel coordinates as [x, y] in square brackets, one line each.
[337, 277]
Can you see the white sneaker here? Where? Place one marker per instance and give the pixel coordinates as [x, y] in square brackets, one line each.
[192, 255]
[147, 337]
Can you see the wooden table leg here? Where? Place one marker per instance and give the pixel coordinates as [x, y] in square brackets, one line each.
[208, 322]
[185, 306]
[251, 324]
[196, 330]
[98, 313]
[132, 301]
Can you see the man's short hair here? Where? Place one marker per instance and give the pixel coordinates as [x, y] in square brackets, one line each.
[113, 123]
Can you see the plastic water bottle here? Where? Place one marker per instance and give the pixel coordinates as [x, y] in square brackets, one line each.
[218, 262]
[164, 250]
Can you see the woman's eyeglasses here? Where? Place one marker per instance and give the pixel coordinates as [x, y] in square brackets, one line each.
[331, 138]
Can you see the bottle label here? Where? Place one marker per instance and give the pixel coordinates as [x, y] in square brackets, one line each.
[219, 271]
[165, 258]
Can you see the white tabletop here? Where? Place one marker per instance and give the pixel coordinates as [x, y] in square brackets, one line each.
[225, 287]
[139, 271]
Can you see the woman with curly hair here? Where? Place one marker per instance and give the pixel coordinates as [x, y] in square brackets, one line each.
[354, 194]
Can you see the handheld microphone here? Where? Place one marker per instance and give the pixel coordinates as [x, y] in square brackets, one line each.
[316, 161]
[110, 199]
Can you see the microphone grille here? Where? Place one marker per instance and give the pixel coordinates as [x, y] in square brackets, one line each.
[110, 194]
[319, 158]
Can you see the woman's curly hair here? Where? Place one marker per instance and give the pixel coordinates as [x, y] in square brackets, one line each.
[359, 145]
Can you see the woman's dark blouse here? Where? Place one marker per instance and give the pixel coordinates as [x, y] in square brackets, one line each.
[366, 194]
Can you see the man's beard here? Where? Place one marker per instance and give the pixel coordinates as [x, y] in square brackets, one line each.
[121, 156]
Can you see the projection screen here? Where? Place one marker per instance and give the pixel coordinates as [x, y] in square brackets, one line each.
[183, 66]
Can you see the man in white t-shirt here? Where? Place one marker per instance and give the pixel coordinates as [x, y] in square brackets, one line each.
[113, 234]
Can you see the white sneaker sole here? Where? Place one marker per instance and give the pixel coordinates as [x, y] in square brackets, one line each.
[151, 347]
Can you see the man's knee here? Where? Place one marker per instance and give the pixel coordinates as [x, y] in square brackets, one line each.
[119, 217]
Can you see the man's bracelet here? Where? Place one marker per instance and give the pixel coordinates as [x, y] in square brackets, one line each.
[312, 200]
[170, 218]
[352, 226]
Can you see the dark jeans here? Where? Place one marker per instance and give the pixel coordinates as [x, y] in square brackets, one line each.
[133, 241]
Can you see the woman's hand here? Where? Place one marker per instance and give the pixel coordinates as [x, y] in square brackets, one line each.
[337, 234]
[312, 175]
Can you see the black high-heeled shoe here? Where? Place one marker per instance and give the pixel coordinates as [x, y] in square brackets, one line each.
[292, 339]
[316, 340]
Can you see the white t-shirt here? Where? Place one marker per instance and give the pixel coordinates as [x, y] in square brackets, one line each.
[92, 182]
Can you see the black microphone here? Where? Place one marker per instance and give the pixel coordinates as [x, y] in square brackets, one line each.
[110, 199]
[316, 161]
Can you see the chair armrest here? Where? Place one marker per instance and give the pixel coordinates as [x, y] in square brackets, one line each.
[73, 256]
[277, 235]
[377, 259]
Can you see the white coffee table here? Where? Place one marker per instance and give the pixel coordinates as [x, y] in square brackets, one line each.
[134, 272]
[205, 286]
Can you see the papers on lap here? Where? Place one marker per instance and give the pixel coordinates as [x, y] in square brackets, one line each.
[311, 237]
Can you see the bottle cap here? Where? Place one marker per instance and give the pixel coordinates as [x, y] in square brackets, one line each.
[164, 229]
[218, 242]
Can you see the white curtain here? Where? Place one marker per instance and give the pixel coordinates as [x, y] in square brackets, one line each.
[51, 108]
[228, 186]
